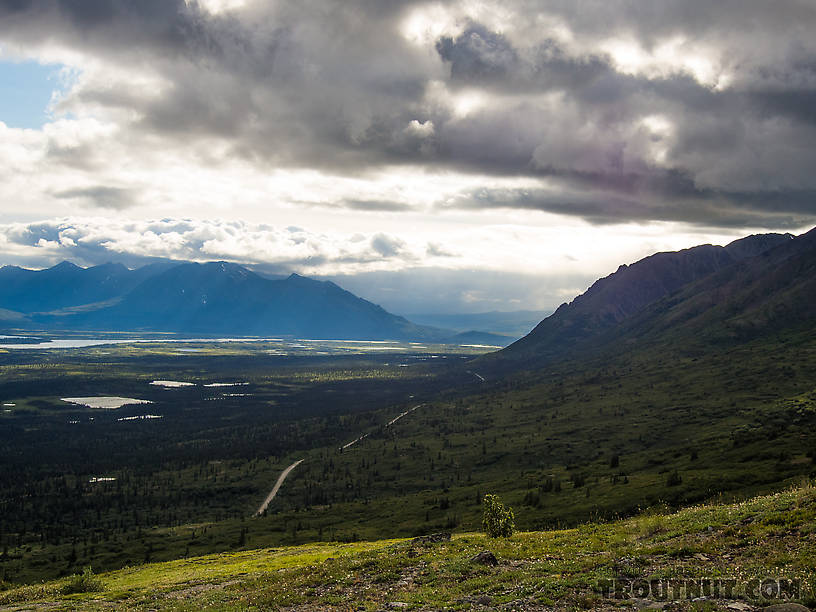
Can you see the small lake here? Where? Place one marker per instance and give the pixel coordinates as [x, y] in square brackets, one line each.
[104, 402]
[226, 384]
[285, 346]
[68, 343]
[171, 384]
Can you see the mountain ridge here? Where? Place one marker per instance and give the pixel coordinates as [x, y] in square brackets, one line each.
[598, 314]
[213, 297]
[777, 286]
[226, 298]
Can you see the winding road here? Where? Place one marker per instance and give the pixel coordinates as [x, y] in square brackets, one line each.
[397, 418]
[285, 472]
[277, 486]
[479, 376]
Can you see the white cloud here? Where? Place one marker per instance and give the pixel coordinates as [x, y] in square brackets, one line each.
[503, 262]
[220, 6]
[96, 240]
[466, 134]
[491, 245]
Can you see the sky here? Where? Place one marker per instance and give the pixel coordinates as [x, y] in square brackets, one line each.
[450, 156]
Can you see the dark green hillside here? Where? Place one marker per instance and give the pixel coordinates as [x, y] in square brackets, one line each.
[579, 442]
[595, 439]
[613, 300]
[758, 296]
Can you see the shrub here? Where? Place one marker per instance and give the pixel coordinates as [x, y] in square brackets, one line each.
[578, 480]
[674, 479]
[497, 521]
[651, 525]
[86, 582]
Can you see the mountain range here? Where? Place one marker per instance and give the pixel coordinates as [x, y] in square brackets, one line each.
[514, 324]
[210, 298]
[707, 293]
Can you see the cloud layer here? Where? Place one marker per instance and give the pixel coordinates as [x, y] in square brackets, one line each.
[474, 269]
[371, 137]
[684, 111]
[90, 241]
[386, 269]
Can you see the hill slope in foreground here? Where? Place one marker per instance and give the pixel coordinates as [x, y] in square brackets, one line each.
[739, 557]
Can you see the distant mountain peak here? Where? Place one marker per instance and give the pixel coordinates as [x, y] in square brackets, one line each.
[756, 244]
[66, 265]
[305, 280]
[232, 269]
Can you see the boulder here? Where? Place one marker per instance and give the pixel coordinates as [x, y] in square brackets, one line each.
[433, 538]
[485, 558]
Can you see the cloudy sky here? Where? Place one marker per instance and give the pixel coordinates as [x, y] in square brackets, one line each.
[432, 156]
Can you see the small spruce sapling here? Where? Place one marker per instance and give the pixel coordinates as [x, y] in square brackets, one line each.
[86, 582]
[498, 521]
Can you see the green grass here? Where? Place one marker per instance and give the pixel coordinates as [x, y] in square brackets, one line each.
[736, 422]
[748, 542]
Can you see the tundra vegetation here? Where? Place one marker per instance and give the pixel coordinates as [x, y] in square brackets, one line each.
[577, 441]
[740, 557]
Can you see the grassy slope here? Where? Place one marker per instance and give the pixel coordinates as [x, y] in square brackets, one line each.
[766, 537]
[739, 420]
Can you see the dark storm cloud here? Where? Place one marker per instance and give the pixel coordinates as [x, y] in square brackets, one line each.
[100, 196]
[336, 86]
[653, 21]
[108, 24]
[798, 105]
[375, 205]
[786, 210]
[484, 58]
[477, 54]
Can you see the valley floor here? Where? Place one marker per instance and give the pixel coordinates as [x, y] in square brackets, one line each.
[737, 557]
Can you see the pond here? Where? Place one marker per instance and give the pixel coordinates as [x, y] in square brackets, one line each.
[104, 402]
